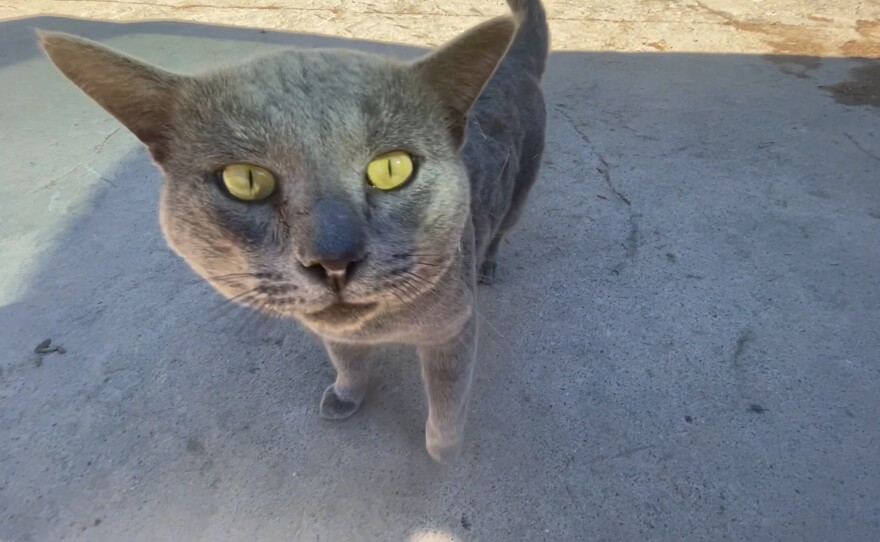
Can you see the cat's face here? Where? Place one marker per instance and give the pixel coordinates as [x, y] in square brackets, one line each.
[314, 121]
[322, 241]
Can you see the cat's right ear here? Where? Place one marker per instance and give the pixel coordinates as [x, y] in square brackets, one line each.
[139, 95]
[459, 70]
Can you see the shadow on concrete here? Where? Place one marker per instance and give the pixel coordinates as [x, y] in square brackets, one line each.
[19, 46]
[682, 343]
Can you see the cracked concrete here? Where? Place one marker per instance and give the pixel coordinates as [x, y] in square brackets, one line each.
[604, 167]
[722, 385]
[861, 148]
[605, 170]
[630, 245]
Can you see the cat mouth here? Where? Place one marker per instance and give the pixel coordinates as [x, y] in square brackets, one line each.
[341, 311]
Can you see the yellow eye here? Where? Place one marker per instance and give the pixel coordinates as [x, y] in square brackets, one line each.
[247, 182]
[390, 171]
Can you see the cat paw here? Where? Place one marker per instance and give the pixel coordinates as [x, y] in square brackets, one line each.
[335, 408]
[487, 272]
[446, 453]
[443, 450]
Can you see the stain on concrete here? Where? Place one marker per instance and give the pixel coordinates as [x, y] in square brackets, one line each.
[46, 347]
[195, 446]
[797, 65]
[757, 409]
[863, 88]
[745, 337]
[631, 245]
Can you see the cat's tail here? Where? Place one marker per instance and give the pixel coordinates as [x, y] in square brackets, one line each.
[531, 45]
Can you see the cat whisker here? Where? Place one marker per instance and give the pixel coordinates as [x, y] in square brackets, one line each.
[400, 254]
[411, 289]
[222, 311]
[258, 313]
[420, 279]
[199, 280]
[243, 296]
[233, 275]
[422, 255]
[230, 279]
[258, 318]
[478, 314]
[395, 293]
[426, 264]
[225, 306]
[405, 289]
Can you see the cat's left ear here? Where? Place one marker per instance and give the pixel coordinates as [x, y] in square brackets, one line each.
[139, 95]
[459, 70]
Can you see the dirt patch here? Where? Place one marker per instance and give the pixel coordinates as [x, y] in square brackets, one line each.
[783, 39]
[658, 45]
[800, 40]
[868, 29]
[869, 47]
[863, 88]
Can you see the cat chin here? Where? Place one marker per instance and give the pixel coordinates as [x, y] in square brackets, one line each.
[339, 316]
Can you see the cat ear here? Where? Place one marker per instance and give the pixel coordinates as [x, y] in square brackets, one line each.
[139, 95]
[459, 70]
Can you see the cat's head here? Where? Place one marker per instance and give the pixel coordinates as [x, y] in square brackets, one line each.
[320, 184]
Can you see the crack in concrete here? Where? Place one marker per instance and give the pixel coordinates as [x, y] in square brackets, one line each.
[863, 149]
[52, 182]
[604, 168]
[100, 146]
[631, 245]
[745, 337]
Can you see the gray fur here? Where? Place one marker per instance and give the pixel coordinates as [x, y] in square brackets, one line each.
[315, 118]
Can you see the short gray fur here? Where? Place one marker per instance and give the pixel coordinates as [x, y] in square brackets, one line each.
[472, 113]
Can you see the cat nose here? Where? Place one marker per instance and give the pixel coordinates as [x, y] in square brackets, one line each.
[337, 241]
[334, 267]
[337, 272]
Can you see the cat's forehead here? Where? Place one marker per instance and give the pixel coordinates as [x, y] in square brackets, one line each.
[309, 80]
[303, 103]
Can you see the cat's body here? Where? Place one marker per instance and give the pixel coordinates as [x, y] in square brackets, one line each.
[357, 265]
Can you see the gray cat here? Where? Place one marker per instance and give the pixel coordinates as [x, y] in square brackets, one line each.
[361, 195]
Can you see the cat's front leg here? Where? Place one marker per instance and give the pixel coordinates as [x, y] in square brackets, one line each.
[447, 369]
[352, 363]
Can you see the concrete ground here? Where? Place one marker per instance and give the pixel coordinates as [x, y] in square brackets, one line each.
[683, 342]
